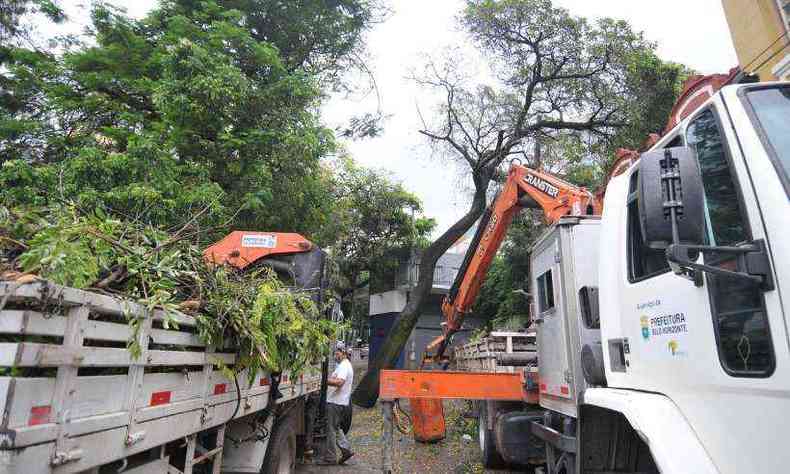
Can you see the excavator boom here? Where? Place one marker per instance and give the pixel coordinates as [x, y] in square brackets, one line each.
[525, 187]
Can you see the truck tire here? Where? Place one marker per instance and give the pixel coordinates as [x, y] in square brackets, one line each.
[281, 451]
[491, 457]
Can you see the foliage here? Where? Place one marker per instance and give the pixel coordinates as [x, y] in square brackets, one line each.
[13, 11]
[569, 68]
[503, 300]
[272, 327]
[656, 84]
[556, 77]
[322, 37]
[190, 107]
[373, 216]
[377, 223]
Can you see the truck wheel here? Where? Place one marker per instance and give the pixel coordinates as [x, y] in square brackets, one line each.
[281, 451]
[491, 458]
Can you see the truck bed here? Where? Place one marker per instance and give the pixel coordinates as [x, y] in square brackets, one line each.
[480, 356]
[73, 397]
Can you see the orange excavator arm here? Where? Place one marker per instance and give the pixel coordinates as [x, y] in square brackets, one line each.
[524, 187]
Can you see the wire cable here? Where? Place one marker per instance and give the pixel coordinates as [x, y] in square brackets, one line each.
[404, 427]
[754, 60]
[238, 398]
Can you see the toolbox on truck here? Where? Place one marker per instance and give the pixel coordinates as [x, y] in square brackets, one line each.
[73, 397]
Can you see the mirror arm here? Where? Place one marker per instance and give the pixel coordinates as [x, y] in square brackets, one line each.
[754, 254]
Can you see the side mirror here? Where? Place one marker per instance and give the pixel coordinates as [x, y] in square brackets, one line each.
[671, 198]
[672, 217]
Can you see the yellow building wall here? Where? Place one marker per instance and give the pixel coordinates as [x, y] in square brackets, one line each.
[755, 25]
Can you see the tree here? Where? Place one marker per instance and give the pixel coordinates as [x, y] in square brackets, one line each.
[319, 36]
[655, 85]
[12, 11]
[558, 77]
[193, 107]
[374, 219]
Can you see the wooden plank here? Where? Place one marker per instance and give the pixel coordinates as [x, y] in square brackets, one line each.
[175, 358]
[452, 385]
[50, 355]
[106, 331]
[34, 291]
[104, 357]
[66, 380]
[181, 387]
[176, 338]
[31, 322]
[17, 354]
[28, 354]
[28, 393]
[73, 297]
[176, 317]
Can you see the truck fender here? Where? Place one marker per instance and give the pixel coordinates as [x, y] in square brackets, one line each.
[658, 421]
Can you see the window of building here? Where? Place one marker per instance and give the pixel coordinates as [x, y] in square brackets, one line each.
[739, 319]
[545, 292]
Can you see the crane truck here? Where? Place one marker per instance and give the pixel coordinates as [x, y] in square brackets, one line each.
[659, 303]
[74, 399]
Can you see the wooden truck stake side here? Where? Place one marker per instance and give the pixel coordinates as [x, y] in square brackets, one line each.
[76, 400]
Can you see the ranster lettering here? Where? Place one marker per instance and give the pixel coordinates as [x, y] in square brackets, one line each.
[542, 185]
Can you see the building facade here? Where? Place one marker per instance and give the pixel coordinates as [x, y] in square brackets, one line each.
[760, 31]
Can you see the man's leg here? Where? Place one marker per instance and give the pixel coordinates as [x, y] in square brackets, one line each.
[342, 441]
[330, 455]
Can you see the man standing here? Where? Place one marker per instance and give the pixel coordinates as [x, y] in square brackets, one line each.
[337, 402]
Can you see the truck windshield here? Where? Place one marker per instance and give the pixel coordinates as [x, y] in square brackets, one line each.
[771, 106]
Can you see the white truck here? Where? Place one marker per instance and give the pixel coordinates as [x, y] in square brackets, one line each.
[74, 399]
[662, 336]
[680, 366]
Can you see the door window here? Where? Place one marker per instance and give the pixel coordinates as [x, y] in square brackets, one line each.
[739, 319]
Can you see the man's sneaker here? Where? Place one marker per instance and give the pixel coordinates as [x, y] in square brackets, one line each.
[345, 456]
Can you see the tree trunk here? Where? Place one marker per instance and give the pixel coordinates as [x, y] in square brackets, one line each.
[367, 392]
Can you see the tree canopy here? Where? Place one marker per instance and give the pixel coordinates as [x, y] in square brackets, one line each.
[558, 81]
[201, 104]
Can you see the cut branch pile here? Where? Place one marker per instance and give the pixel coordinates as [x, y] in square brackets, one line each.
[272, 327]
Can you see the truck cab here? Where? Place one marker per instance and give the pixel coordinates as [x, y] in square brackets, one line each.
[699, 369]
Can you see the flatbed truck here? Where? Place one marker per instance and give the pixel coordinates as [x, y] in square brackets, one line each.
[74, 399]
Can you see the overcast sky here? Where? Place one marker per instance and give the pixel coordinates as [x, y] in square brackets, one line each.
[692, 32]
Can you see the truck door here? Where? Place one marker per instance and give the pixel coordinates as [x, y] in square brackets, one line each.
[556, 391]
[718, 351]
